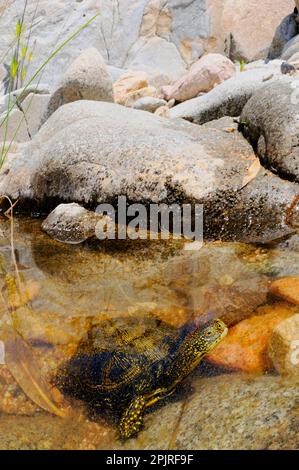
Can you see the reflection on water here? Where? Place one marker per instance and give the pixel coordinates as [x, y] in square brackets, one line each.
[72, 289]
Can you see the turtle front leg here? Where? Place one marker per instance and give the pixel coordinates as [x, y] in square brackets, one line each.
[132, 419]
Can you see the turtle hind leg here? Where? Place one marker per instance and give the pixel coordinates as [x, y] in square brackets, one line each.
[132, 419]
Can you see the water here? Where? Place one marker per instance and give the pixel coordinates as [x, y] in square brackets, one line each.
[71, 288]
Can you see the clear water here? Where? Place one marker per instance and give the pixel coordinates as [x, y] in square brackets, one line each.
[69, 288]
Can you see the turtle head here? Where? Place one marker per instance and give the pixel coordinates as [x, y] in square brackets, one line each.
[200, 341]
[206, 337]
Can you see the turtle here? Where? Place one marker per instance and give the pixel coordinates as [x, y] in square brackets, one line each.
[125, 365]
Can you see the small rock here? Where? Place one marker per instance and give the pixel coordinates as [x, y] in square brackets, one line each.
[287, 289]
[134, 96]
[171, 103]
[245, 348]
[148, 103]
[71, 223]
[86, 79]
[127, 83]
[203, 76]
[287, 68]
[284, 347]
[163, 111]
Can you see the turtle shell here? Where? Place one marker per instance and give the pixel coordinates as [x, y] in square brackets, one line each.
[119, 359]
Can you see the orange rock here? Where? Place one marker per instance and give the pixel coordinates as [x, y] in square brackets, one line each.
[286, 288]
[245, 348]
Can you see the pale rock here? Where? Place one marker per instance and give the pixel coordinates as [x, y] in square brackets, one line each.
[284, 346]
[159, 58]
[127, 83]
[134, 96]
[86, 79]
[148, 103]
[25, 120]
[203, 76]
[163, 111]
[116, 72]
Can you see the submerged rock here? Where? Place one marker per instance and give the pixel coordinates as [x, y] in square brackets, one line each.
[228, 98]
[246, 346]
[286, 288]
[110, 150]
[226, 412]
[284, 347]
[270, 122]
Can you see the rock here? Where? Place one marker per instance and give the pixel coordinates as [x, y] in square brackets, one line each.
[203, 76]
[133, 96]
[45, 432]
[21, 94]
[129, 82]
[25, 118]
[270, 122]
[87, 78]
[149, 103]
[163, 111]
[284, 347]
[13, 400]
[245, 348]
[294, 60]
[256, 413]
[288, 69]
[233, 23]
[110, 150]
[291, 48]
[286, 288]
[203, 280]
[287, 29]
[226, 412]
[160, 59]
[228, 98]
[71, 223]
[116, 72]
[161, 38]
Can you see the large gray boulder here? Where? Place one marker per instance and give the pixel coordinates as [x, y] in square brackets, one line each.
[270, 121]
[228, 98]
[287, 29]
[110, 150]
